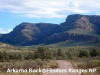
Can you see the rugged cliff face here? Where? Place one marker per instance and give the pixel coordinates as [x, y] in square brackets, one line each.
[76, 27]
[77, 23]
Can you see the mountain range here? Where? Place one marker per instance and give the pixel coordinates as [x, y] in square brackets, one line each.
[77, 28]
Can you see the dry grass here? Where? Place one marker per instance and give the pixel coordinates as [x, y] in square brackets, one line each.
[87, 63]
[1, 73]
[26, 64]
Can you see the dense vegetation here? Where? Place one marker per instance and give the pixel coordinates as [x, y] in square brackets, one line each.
[43, 57]
[45, 53]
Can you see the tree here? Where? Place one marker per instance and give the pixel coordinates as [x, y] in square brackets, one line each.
[84, 53]
[16, 56]
[4, 56]
[29, 55]
[43, 53]
[94, 53]
[60, 54]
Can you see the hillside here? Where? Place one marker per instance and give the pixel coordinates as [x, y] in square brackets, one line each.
[29, 33]
[79, 28]
[76, 28]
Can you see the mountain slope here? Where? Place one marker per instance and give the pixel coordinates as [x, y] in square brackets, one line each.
[76, 28]
[29, 33]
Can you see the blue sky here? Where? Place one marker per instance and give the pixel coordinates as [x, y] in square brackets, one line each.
[8, 21]
[14, 12]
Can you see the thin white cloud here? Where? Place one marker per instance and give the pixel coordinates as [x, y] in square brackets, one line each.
[3, 31]
[49, 8]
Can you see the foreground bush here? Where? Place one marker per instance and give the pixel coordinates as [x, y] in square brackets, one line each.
[26, 64]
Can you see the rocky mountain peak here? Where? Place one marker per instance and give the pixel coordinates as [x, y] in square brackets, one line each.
[76, 27]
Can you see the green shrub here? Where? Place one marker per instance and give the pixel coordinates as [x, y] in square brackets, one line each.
[29, 55]
[94, 53]
[39, 62]
[84, 53]
[43, 53]
[16, 56]
[60, 54]
[4, 56]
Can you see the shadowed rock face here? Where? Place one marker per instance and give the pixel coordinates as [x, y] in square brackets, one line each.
[29, 33]
[76, 27]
